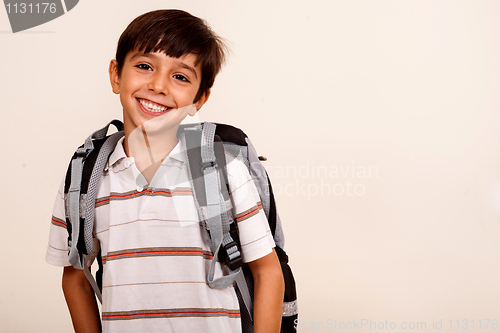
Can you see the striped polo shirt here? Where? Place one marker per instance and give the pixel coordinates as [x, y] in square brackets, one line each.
[156, 253]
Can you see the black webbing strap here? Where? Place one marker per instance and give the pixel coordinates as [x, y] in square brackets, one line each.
[272, 208]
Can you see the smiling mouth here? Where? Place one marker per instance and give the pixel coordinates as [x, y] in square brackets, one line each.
[153, 107]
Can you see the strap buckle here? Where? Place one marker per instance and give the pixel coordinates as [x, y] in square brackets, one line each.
[81, 153]
[77, 154]
[226, 251]
[235, 262]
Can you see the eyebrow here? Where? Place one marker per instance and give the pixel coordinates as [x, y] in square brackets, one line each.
[189, 68]
[151, 55]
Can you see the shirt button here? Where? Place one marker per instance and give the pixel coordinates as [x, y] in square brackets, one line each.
[127, 163]
[139, 189]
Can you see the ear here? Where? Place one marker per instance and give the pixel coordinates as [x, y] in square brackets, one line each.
[203, 99]
[113, 76]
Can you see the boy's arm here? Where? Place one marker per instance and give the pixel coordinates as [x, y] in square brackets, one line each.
[81, 301]
[269, 288]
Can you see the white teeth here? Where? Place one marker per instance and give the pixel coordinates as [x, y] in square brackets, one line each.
[152, 107]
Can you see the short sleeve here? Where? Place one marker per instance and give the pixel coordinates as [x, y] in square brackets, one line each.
[57, 250]
[255, 235]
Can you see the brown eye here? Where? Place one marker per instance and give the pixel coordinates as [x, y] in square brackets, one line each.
[144, 66]
[181, 77]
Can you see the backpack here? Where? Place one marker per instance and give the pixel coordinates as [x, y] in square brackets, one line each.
[206, 145]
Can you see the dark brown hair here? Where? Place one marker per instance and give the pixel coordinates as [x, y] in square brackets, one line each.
[176, 33]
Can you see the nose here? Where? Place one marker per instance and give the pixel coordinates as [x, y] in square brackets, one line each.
[159, 83]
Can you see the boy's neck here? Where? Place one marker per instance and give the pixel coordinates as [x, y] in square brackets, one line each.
[149, 148]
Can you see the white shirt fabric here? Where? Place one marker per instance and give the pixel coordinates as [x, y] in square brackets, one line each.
[155, 251]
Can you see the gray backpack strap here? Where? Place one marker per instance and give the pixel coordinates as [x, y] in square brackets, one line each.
[92, 282]
[80, 199]
[216, 210]
[218, 216]
[102, 159]
[74, 199]
[73, 204]
[213, 203]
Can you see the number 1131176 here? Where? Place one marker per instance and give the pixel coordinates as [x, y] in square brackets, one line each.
[474, 324]
[31, 8]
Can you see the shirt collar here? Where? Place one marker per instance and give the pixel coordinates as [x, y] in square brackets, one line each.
[118, 156]
[178, 153]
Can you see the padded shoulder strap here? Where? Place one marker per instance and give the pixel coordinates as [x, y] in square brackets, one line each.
[74, 196]
[207, 165]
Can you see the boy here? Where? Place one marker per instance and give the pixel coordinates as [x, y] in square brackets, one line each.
[145, 217]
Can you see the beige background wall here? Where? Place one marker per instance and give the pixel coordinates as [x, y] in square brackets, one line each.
[380, 122]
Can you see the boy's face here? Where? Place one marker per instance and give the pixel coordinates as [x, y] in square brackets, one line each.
[154, 84]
